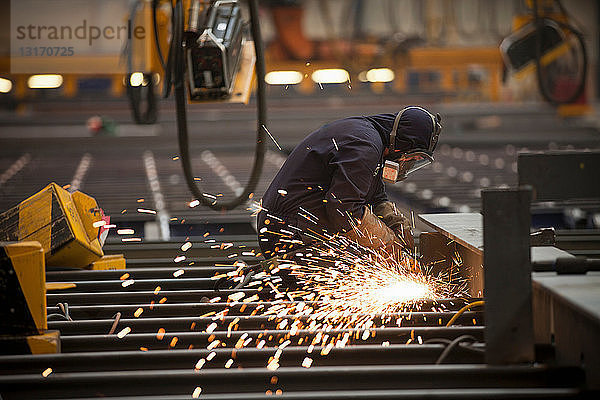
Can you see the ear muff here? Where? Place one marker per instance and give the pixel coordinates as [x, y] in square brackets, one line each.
[435, 120]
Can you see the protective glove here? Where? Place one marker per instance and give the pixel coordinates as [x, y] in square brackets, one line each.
[398, 223]
[371, 232]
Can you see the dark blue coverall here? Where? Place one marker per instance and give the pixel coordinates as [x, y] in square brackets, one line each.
[328, 178]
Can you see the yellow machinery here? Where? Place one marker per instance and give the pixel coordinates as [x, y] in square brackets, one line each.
[109, 262]
[65, 225]
[23, 301]
[56, 228]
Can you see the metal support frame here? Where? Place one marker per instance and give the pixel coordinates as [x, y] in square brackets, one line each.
[508, 310]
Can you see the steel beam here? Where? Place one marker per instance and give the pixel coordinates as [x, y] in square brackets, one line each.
[244, 357]
[192, 308]
[273, 338]
[509, 326]
[129, 297]
[137, 273]
[510, 393]
[173, 249]
[346, 378]
[105, 311]
[246, 322]
[131, 284]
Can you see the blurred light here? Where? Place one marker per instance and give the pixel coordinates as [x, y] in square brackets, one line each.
[45, 81]
[5, 85]
[136, 79]
[362, 76]
[380, 75]
[283, 77]
[331, 75]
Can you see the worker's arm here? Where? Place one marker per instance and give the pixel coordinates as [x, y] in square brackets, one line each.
[379, 195]
[354, 170]
[396, 221]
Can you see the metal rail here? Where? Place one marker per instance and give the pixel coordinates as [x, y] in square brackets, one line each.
[327, 378]
[246, 322]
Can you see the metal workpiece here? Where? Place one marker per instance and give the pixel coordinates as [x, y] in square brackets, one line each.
[290, 379]
[508, 310]
[457, 246]
[452, 256]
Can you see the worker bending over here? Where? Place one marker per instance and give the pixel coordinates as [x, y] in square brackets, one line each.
[332, 182]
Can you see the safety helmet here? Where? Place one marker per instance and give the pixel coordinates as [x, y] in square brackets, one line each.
[399, 164]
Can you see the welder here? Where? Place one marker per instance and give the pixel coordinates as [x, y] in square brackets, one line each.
[333, 182]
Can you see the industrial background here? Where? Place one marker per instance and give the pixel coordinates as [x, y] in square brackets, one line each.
[137, 305]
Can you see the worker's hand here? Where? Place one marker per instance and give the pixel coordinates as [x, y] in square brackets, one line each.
[371, 232]
[397, 222]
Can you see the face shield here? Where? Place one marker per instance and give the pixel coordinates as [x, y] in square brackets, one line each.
[398, 169]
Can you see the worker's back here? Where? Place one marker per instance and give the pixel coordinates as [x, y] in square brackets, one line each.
[330, 175]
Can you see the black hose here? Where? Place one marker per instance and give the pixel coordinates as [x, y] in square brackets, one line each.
[168, 68]
[178, 62]
[156, 38]
[539, 23]
[452, 345]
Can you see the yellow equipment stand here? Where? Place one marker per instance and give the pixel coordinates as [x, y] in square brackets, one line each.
[109, 262]
[64, 224]
[23, 301]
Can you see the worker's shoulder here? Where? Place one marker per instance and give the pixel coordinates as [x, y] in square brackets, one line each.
[350, 122]
[353, 129]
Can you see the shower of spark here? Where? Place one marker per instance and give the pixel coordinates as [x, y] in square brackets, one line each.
[364, 282]
[332, 293]
[346, 284]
